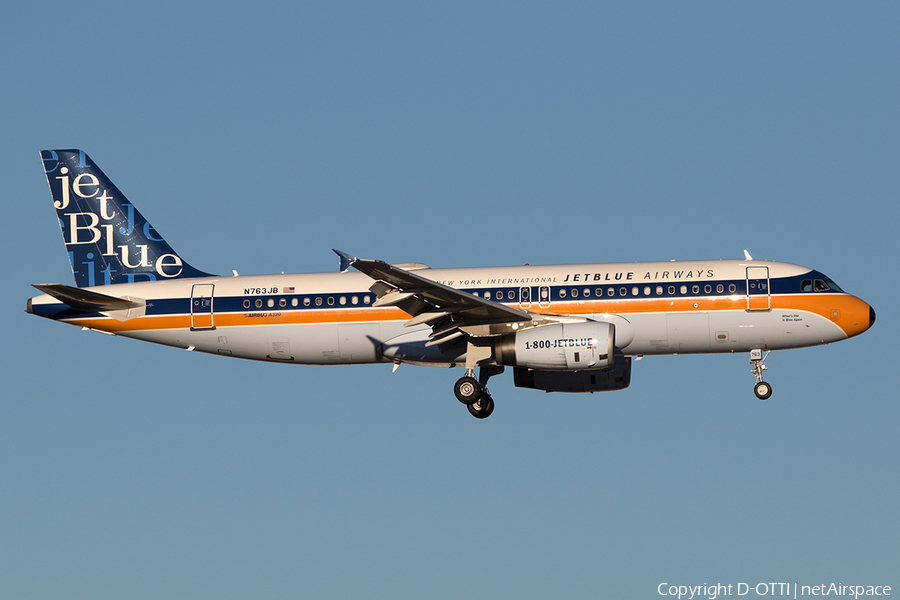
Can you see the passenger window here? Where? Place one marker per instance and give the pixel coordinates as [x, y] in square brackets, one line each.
[354, 300]
[587, 293]
[806, 285]
[574, 293]
[319, 301]
[671, 290]
[246, 304]
[731, 288]
[562, 293]
[282, 302]
[720, 288]
[623, 291]
[707, 288]
[659, 290]
[294, 302]
[271, 302]
[696, 289]
[343, 300]
[611, 292]
[259, 303]
[367, 299]
[683, 289]
[598, 292]
[306, 302]
[511, 295]
[499, 295]
[647, 290]
[330, 300]
[635, 291]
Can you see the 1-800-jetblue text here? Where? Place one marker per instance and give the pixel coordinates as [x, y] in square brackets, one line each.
[560, 343]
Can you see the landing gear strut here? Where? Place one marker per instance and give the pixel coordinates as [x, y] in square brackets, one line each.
[762, 389]
[474, 393]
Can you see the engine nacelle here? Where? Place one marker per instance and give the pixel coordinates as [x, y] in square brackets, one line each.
[616, 377]
[560, 347]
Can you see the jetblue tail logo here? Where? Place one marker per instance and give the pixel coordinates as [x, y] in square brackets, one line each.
[108, 240]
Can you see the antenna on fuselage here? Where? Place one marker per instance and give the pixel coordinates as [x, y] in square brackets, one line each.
[747, 255]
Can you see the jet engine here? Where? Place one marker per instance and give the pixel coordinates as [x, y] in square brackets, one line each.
[559, 347]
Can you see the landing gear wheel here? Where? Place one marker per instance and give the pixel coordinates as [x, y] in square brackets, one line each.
[762, 390]
[482, 408]
[467, 390]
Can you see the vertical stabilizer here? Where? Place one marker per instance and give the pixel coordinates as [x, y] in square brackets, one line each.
[107, 239]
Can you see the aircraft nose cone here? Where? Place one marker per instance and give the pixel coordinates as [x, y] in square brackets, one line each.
[853, 315]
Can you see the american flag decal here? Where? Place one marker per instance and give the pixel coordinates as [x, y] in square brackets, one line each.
[288, 290]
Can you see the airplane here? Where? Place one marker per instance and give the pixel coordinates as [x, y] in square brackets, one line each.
[560, 328]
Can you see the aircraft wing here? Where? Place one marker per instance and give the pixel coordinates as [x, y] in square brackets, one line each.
[451, 312]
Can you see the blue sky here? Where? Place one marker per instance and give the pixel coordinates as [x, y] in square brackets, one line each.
[258, 137]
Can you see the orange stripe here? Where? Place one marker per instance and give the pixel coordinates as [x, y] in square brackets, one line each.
[240, 319]
[643, 305]
[848, 312]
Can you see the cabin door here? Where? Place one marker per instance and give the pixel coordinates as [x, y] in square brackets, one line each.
[758, 297]
[202, 306]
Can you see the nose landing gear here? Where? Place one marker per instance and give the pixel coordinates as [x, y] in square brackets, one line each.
[762, 389]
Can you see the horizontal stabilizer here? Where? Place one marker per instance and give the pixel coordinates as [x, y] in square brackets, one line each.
[82, 299]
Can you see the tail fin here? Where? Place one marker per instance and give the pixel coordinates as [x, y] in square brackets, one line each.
[108, 240]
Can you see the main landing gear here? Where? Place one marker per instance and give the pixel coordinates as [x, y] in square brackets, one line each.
[474, 393]
[762, 389]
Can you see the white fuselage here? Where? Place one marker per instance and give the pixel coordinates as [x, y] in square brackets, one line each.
[328, 318]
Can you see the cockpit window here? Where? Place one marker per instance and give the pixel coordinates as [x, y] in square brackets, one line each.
[806, 285]
[826, 286]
